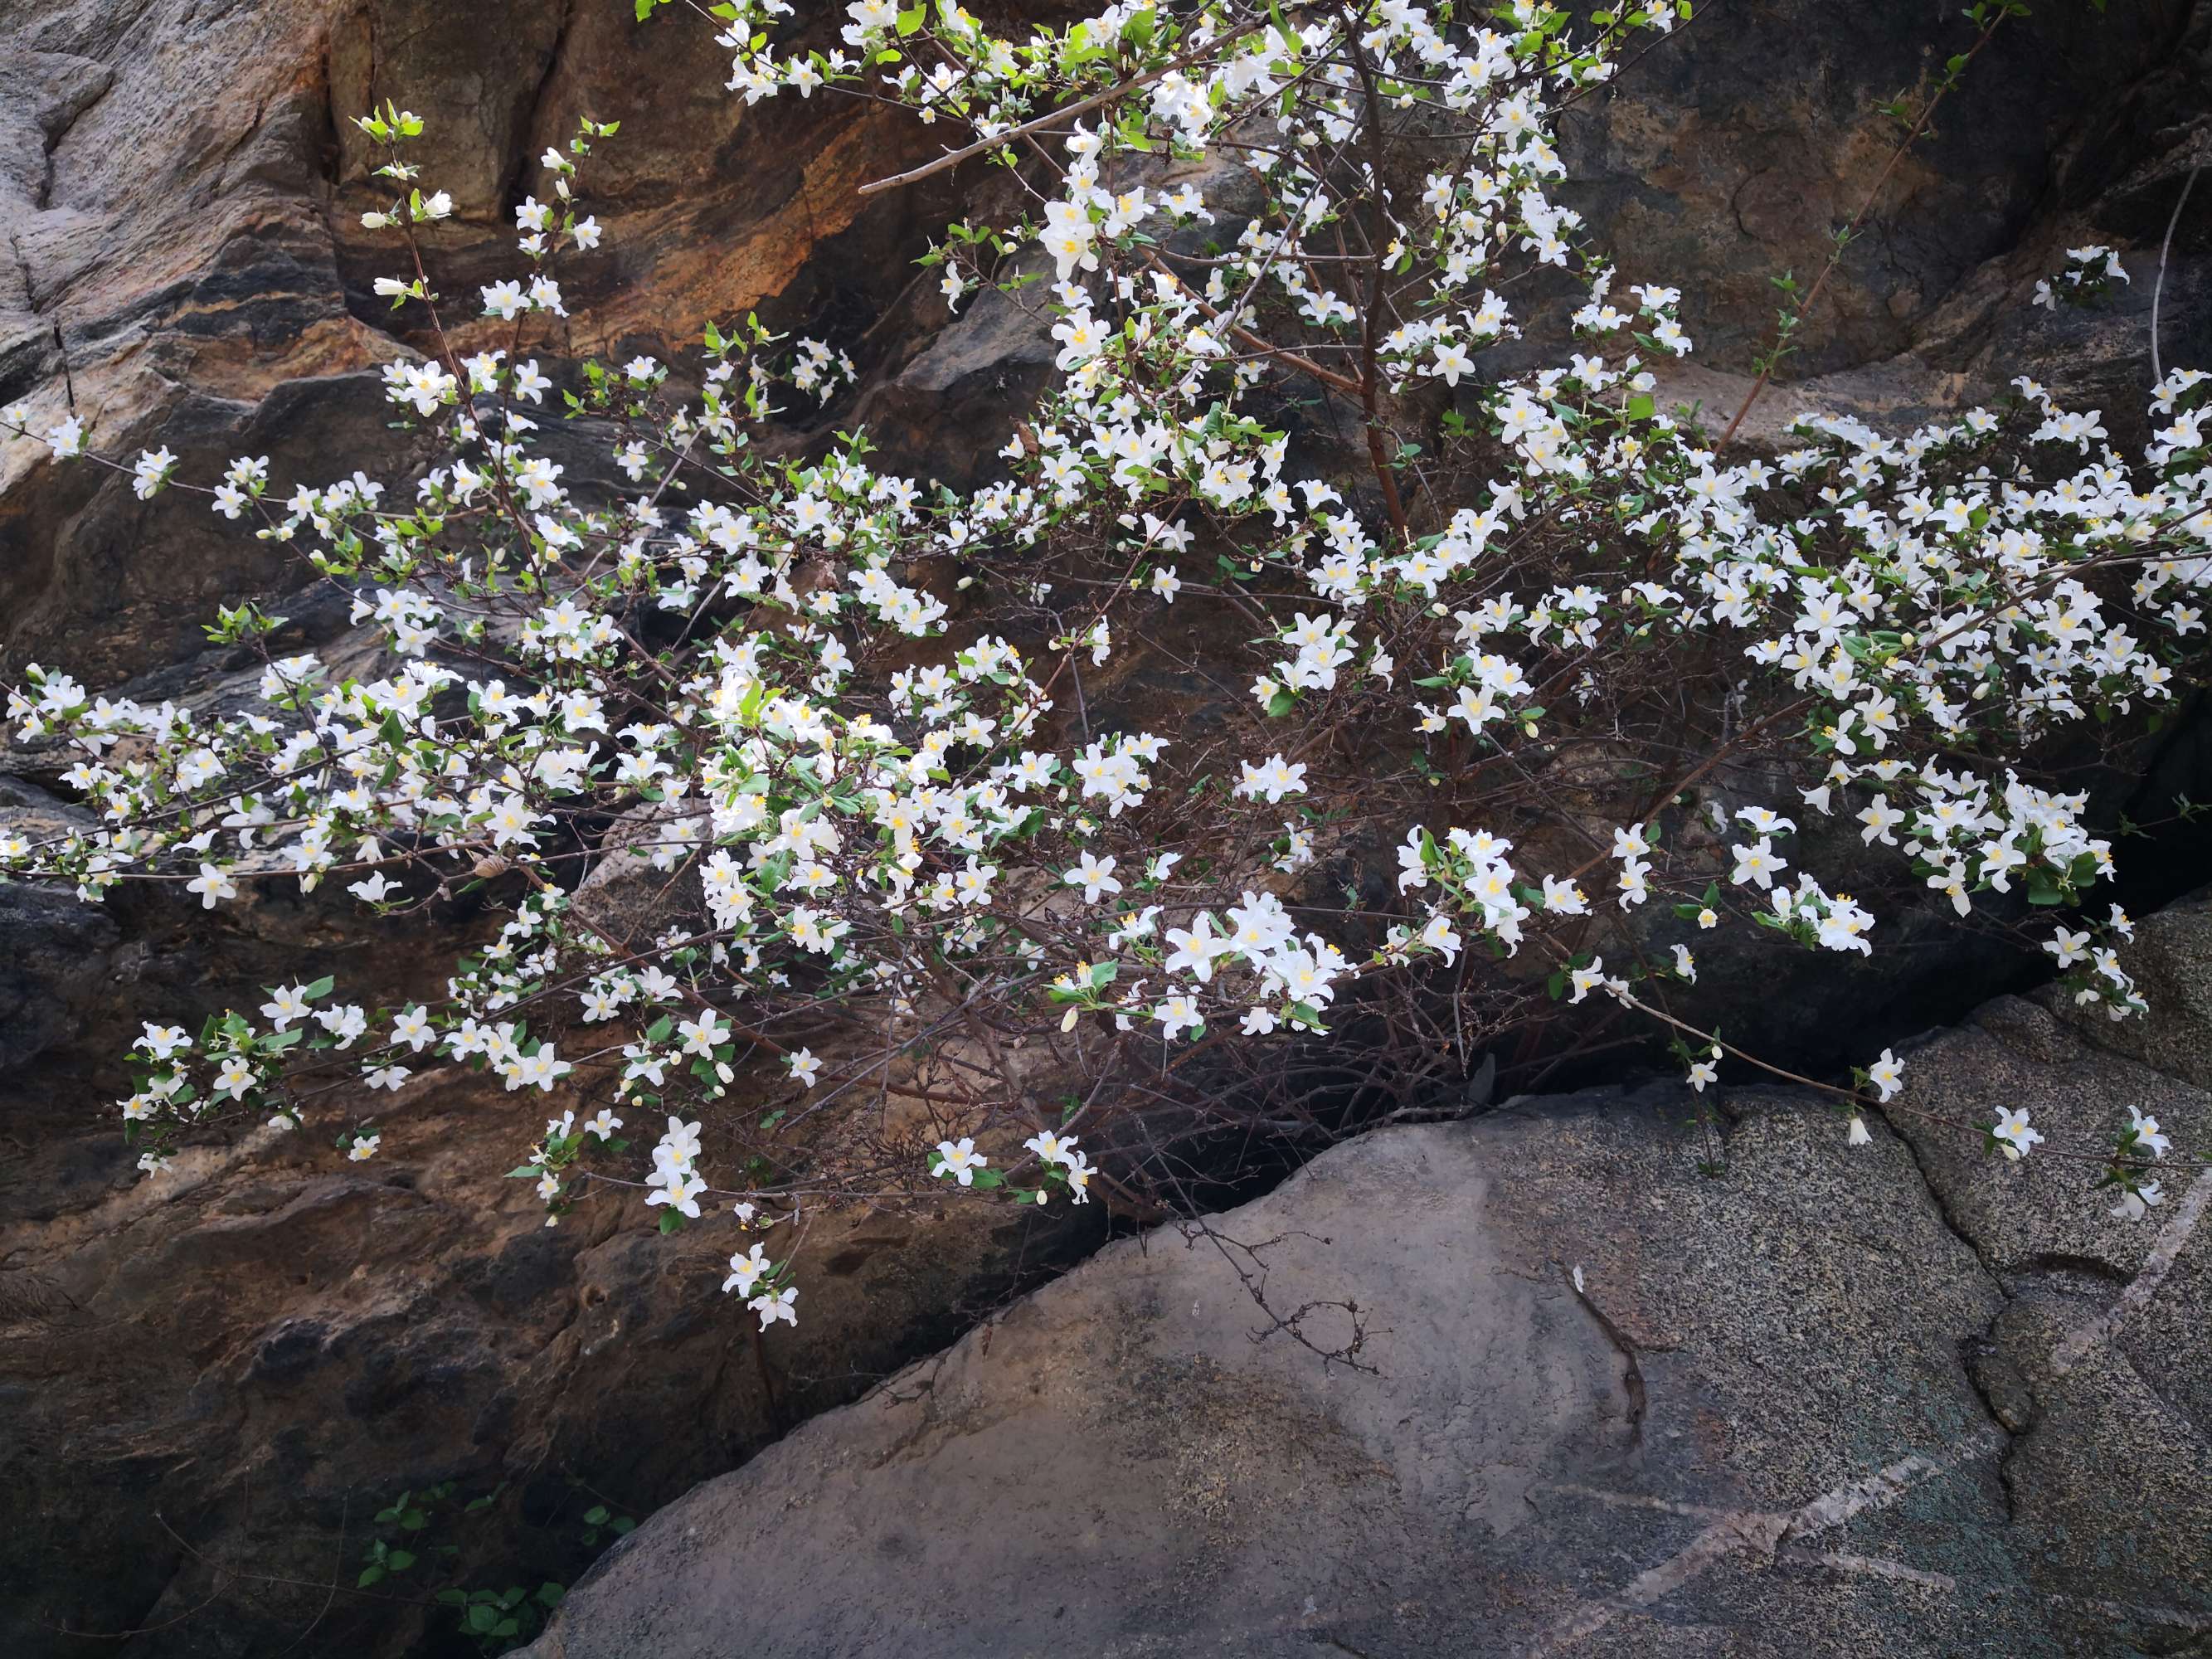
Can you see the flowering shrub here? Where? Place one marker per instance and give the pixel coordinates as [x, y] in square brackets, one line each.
[1544, 689]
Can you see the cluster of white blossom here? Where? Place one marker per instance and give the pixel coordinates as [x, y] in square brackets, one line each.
[901, 814]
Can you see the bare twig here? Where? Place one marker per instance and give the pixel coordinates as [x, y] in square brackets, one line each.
[2158, 290]
[1898, 156]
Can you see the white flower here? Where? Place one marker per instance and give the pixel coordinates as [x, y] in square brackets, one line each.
[2147, 1132]
[151, 470]
[1562, 898]
[804, 1066]
[285, 1004]
[2137, 1201]
[1886, 1074]
[163, 1041]
[681, 1191]
[777, 1304]
[1451, 362]
[2013, 1135]
[1440, 936]
[959, 1161]
[1050, 1147]
[1178, 1014]
[1195, 948]
[1272, 780]
[747, 1271]
[1094, 875]
[1758, 862]
[1585, 980]
[212, 885]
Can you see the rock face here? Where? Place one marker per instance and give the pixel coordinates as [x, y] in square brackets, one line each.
[267, 1346]
[181, 186]
[267, 1343]
[1636, 1388]
[181, 189]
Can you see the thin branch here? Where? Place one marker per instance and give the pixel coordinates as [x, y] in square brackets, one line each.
[1850, 229]
[2158, 290]
[1068, 113]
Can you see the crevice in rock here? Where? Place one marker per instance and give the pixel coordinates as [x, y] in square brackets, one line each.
[1950, 1221]
[1632, 1382]
[2086, 1267]
[23, 271]
[533, 106]
[1977, 1350]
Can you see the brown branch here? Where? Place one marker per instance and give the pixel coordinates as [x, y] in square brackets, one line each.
[1068, 113]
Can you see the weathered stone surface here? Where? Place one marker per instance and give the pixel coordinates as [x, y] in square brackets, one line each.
[252, 1349]
[1756, 1428]
[181, 187]
[627, 897]
[2099, 1361]
[1733, 155]
[268, 1342]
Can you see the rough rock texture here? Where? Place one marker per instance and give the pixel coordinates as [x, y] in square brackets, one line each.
[226, 1372]
[1734, 154]
[181, 183]
[256, 1351]
[271, 1341]
[1808, 1399]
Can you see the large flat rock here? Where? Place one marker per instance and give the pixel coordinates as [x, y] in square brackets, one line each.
[1759, 1427]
